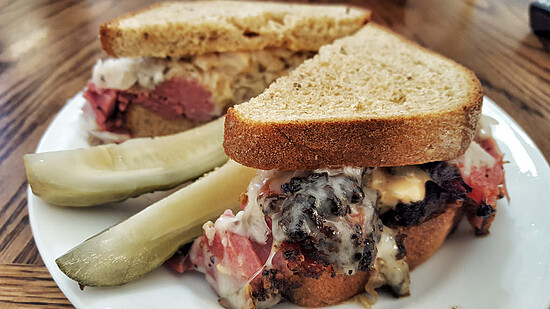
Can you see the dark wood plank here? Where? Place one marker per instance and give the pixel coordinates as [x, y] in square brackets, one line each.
[43, 62]
[29, 286]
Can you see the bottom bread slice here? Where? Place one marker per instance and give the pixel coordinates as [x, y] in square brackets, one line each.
[144, 123]
[421, 243]
[425, 239]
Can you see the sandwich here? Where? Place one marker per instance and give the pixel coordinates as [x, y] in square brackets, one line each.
[369, 154]
[177, 65]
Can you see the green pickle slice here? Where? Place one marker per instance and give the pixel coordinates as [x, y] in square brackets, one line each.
[111, 173]
[140, 244]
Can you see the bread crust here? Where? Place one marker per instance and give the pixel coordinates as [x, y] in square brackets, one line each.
[425, 239]
[180, 38]
[327, 291]
[369, 142]
[421, 243]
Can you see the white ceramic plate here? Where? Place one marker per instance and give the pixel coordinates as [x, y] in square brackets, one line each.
[510, 268]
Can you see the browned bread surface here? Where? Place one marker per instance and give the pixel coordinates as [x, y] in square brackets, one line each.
[424, 240]
[371, 99]
[143, 123]
[421, 243]
[178, 29]
[327, 291]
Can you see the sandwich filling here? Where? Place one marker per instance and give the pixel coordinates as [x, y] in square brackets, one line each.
[296, 223]
[340, 222]
[198, 88]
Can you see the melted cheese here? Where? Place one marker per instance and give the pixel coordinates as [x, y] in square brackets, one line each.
[403, 184]
[249, 222]
[232, 295]
[394, 271]
[253, 219]
[388, 270]
[338, 248]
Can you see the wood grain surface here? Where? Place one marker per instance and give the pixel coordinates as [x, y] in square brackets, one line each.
[47, 50]
[29, 286]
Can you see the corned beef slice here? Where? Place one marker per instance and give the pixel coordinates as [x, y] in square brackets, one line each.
[172, 99]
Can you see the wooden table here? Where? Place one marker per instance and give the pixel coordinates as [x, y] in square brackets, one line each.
[47, 49]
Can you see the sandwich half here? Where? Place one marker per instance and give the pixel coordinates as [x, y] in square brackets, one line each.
[180, 64]
[369, 154]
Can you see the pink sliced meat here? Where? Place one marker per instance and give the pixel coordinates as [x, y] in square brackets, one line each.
[109, 107]
[176, 97]
[173, 99]
[488, 185]
[224, 249]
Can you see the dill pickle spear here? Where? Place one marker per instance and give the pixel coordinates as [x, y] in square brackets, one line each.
[143, 242]
[111, 173]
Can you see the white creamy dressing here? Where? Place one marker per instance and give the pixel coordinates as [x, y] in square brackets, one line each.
[350, 171]
[278, 177]
[268, 303]
[210, 231]
[253, 223]
[249, 222]
[236, 296]
[484, 127]
[474, 156]
[403, 184]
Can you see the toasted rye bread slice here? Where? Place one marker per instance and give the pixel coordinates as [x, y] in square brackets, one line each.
[143, 123]
[421, 243]
[327, 290]
[371, 99]
[425, 239]
[179, 29]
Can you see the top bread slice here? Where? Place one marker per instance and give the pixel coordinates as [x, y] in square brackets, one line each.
[179, 29]
[371, 99]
